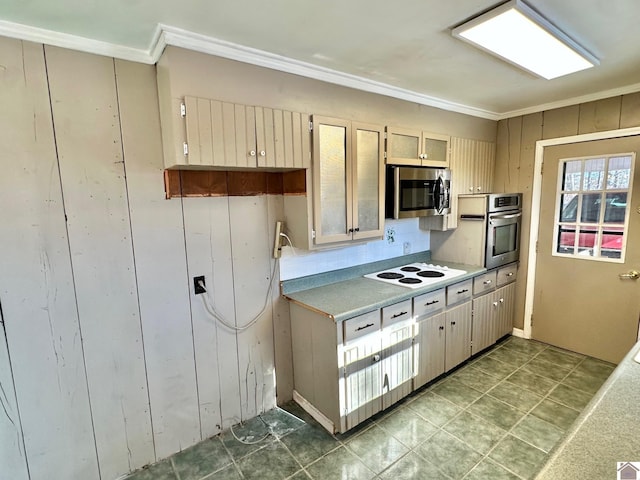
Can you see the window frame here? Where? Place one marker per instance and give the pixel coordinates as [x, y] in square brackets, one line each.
[600, 225]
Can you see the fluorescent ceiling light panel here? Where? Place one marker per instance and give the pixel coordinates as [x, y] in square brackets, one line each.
[518, 34]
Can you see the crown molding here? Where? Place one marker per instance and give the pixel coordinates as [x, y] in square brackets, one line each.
[192, 41]
[572, 101]
[165, 35]
[73, 42]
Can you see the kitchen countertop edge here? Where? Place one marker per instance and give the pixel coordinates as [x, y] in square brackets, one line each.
[355, 296]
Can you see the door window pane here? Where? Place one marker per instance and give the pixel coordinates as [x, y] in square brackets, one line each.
[572, 172]
[592, 213]
[568, 207]
[593, 174]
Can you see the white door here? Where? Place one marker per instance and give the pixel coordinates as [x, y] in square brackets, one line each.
[586, 296]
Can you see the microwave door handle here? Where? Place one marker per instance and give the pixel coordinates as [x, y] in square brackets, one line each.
[437, 195]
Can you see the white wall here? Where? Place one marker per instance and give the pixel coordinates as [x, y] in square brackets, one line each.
[107, 359]
[297, 263]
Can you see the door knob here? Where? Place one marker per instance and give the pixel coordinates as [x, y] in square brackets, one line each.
[631, 275]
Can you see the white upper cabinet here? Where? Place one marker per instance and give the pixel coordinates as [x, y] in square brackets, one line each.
[348, 181]
[416, 147]
[228, 135]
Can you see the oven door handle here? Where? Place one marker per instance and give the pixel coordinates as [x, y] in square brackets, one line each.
[505, 217]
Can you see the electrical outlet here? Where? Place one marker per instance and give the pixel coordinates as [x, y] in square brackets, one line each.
[199, 285]
[406, 248]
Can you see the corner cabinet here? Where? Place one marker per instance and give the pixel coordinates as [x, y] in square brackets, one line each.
[418, 148]
[223, 135]
[348, 181]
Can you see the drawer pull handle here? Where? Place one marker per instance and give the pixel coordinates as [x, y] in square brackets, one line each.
[375, 358]
[462, 291]
[364, 326]
[398, 314]
[487, 282]
[510, 274]
[431, 303]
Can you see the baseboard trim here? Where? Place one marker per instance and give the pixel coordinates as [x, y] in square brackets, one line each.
[314, 412]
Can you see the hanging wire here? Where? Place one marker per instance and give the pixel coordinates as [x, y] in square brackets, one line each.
[210, 307]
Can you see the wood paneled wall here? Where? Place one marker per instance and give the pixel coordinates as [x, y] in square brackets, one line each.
[515, 153]
[107, 359]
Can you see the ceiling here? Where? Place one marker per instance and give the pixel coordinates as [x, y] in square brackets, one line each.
[402, 49]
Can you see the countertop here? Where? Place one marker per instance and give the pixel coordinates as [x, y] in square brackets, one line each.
[351, 297]
[607, 431]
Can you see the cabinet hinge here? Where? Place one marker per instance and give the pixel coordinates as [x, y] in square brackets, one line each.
[385, 155]
[313, 234]
[536, 246]
[185, 149]
[183, 110]
[311, 126]
[541, 168]
[344, 371]
[385, 135]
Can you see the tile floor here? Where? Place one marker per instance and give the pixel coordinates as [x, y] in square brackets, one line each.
[495, 418]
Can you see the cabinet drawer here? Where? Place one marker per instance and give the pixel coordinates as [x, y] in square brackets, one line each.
[484, 283]
[507, 274]
[361, 325]
[396, 313]
[428, 303]
[459, 291]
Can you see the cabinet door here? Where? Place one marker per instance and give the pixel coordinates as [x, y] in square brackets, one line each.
[363, 379]
[429, 349]
[506, 298]
[458, 335]
[404, 146]
[282, 139]
[397, 366]
[367, 167]
[485, 314]
[219, 134]
[435, 150]
[331, 180]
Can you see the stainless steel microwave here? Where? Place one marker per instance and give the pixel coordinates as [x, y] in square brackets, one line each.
[417, 191]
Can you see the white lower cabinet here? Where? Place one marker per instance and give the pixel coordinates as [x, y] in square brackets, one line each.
[493, 309]
[345, 372]
[442, 338]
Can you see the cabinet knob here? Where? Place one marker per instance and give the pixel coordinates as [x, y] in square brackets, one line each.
[350, 230]
[502, 300]
[495, 304]
[453, 323]
[422, 156]
[375, 358]
[478, 188]
[262, 153]
[441, 327]
[252, 153]
[487, 282]
[471, 189]
[357, 229]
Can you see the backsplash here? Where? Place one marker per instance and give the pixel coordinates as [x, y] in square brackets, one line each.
[296, 263]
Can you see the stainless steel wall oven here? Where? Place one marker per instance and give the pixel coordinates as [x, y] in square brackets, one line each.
[488, 233]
